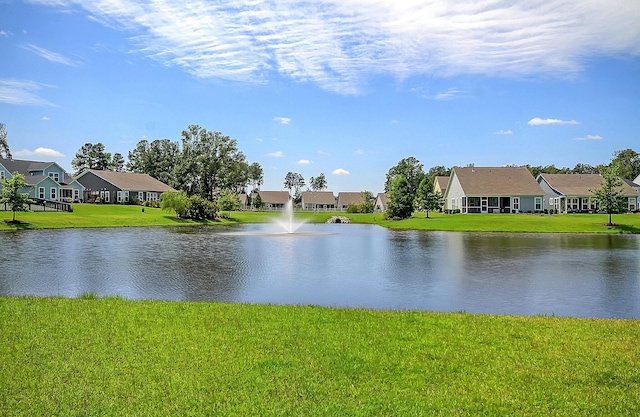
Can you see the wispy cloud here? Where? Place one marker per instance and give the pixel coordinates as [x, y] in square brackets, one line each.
[277, 154]
[590, 137]
[340, 171]
[282, 120]
[303, 162]
[449, 94]
[40, 152]
[359, 152]
[340, 45]
[4, 34]
[22, 92]
[49, 55]
[503, 132]
[46, 118]
[536, 121]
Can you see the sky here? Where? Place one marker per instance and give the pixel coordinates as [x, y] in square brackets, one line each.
[346, 88]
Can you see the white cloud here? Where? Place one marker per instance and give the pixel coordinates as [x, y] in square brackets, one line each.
[340, 171]
[260, 140]
[536, 121]
[303, 162]
[277, 154]
[448, 94]
[22, 92]
[4, 34]
[503, 132]
[590, 137]
[40, 152]
[46, 118]
[340, 45]
[359, 152]
[49, 55]
[282, 120]
[323, 153]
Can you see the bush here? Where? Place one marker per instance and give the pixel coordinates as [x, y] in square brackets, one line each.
[200, 209]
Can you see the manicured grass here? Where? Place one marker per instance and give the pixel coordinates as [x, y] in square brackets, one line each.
[110, 215]
[114, 357]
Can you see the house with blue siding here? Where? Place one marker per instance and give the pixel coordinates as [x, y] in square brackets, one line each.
[48, 181]
[492, 190]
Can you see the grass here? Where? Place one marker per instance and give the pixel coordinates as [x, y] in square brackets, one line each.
[111, 357]
[113, 215]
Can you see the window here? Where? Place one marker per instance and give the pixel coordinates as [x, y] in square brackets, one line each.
[41, 193]
[474, 201]
[107, 196]
[119, 197]
[126, 196]
[140, 196]
[54, 193]
[538, 202]
[152, 196]
[632, 204]
[55, 176]
[1, 175]
[516, 204]
[493, 202]
[76, 194]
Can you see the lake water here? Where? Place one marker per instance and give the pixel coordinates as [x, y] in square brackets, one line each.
[333, 265]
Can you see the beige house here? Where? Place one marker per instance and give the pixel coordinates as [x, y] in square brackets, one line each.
[345, 199]
[382, 201]
[318, 200]
[274, 200]
[492, 190]
[440, 184]
[573, 192]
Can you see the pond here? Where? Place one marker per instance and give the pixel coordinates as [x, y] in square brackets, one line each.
[333, 265]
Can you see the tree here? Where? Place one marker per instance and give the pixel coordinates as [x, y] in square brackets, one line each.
[368, 203]
[584, 169]
[294, 183]
[4, 145]
[157, 159]
[609, 194]
[91, 156]
[13, 194]
[257, 202]
[117, 162]
[439, 171]
[228, 200]
[318, 183]
[627, 163]
[411, 169]
[426, 198]
[400, 198]
[255, 175]
[176, 201]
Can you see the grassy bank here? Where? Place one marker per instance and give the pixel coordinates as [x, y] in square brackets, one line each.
[95, 357]
[111, 215]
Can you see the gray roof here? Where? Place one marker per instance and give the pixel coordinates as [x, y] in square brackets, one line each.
[497, 181]
[580, 184]
[318, 197]
[26, 168]
[129, 181]
[347, 198]
[274, 197]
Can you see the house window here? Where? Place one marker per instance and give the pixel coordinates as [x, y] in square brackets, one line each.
[119, 197]
[54, 193]
[55, 176]
[76, 194]
[107, 196]
[493, 202]
[632, 204]
[538, 203]
[516, 204]
[126, 196]
[41, 193]
[140, 196]
[1, 175]
[152, 196]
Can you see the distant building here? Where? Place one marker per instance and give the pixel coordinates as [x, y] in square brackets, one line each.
[120, 187]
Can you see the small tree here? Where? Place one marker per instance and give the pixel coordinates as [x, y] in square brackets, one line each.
[318, 183]
[228, 201]
[426, 199]
[257, 202]
[176, 201]
[400, 198]
[609, 195]
[12, 193]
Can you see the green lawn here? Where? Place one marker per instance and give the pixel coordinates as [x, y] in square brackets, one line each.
[109, 215]
[115, 357]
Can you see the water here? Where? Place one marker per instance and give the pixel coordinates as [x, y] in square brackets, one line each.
[333, 265]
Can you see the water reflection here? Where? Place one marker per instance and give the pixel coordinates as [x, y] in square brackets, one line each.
[334, 265]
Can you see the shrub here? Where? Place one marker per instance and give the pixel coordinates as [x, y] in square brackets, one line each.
[200, 209]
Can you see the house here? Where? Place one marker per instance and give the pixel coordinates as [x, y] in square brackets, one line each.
[492, 190]
[120, 187]
[318, 200]
[573, 192]
[345, 199]
[440, 184]
[273, 200]
[382, 201]
[48, 180]
[244, 201]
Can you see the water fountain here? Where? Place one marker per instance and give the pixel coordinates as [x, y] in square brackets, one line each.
[287, 222]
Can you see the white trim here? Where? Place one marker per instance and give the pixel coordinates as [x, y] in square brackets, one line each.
[42, 193]
[53, 193]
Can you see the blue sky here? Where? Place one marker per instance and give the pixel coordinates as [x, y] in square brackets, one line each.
[345, 87]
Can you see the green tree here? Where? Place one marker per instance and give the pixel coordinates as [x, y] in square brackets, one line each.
[91, 156]
[424, 195]
[411, 169]
[4, 145]
[609, 194]
[584, 169]
[439, 171]
[255, 175]
[176, 201]
[117, 162]
[627, 163]
[368, 202]
[294, 183]
[257, 202]
[400, 198]
[318, 183]
[13, 193]
[228, 200]
[157, 159]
